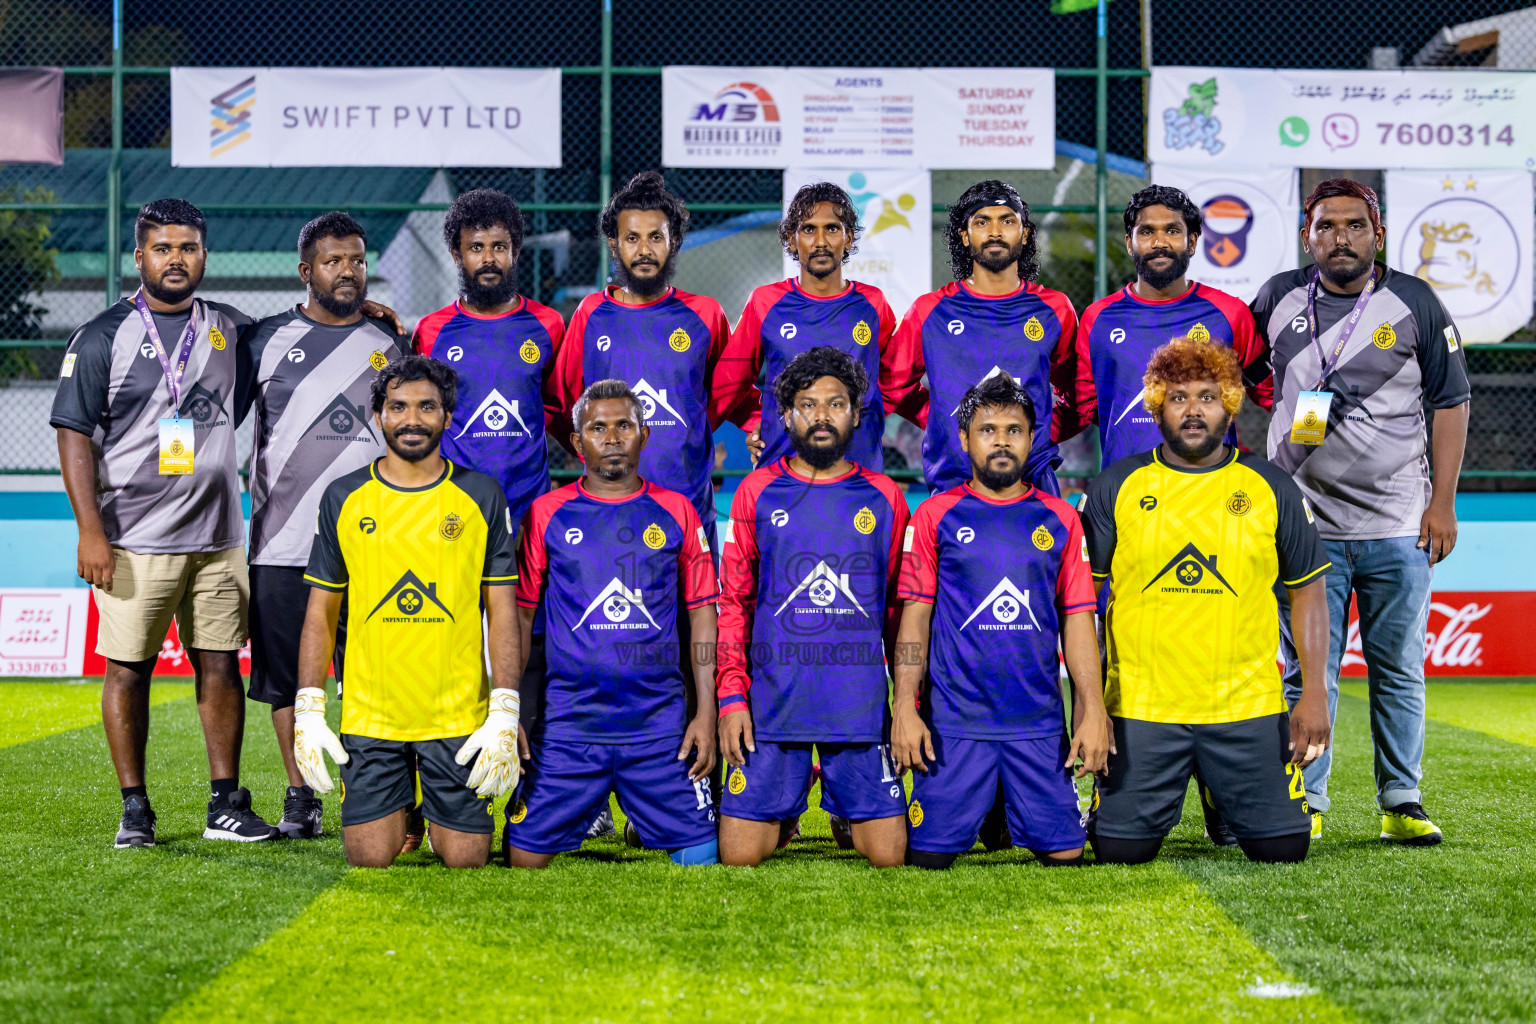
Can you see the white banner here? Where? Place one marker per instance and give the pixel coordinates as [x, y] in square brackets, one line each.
[1468, 234]
[896, 249]
[1345, 119]
[1250, 220]
[858, 118]
[365, 117]
[42, 632]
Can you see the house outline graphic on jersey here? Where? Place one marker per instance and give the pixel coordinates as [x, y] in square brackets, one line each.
[631, 598]
[1190, 553]
[1004, 588]
[497, 402]
[653, 398]
[984, 378]
[838, 583]
[411, 581]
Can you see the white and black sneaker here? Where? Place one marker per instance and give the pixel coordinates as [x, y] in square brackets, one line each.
[138, 825]
[602, 825]
[232, 818]
[301, 814]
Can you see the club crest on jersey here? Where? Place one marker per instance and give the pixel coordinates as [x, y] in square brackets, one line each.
[618, 604]
[656, 406]
[1005, 604]
[379, 360]
[1239, 503]
[451, 528]
[410, 597]
[865, 521]
[915, 814]
[495, 416]
[529, 352]
[343, 421]
[737, 781]
[654, 537]
[216, 338]
[1042, 538]
[788, 331]
[1033, 329]
[518, 813]
[1199, 333]
[823, 586]
[1190, 568]
[861, 333]
[1385, 337]
[679, 340]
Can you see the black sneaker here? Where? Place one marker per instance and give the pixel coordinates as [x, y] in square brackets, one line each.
[138, 826]
[632, 836]
[232, 818]
[1216, 828]
[842, 832]
[602, 825]
[301, 814]
[994, 834]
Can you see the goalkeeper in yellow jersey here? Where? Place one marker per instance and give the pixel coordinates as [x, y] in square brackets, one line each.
[419, 546]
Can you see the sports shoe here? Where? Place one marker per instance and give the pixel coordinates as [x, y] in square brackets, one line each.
[632, 836]
[301, 814]
[842, 832]
[232, 818]
[602, 825]
[138, 825]
[415, 831]
[1317, 824]
[789, 831]
[1409, 825]
[1216, 828]
[994, 834]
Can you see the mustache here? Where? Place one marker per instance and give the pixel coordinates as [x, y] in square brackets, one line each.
[1164, 253]
[412, 432]
[1193, 421]
[1342, 250]
[821, 252]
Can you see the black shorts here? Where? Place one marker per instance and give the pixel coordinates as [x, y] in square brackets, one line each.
[279, 598]
[381, 778]
[1245, 767]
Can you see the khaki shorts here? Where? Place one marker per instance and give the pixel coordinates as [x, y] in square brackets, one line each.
[207, 592]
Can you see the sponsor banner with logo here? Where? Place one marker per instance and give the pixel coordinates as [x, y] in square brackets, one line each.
[896, 247]
[1470, 633]
[1249, 220]
[171, 660]
[858, 117]
[1371, 119]
[365, 117]
[1468, 234]
[43, 632]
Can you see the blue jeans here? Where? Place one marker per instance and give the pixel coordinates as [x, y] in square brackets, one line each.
[1390, 579]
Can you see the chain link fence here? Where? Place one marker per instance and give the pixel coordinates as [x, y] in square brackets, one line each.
[55, 241]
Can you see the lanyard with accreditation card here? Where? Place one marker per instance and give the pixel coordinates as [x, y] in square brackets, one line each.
[1311, 422]
[177, 442]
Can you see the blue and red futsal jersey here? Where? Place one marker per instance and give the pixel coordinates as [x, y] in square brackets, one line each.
[1117, 337]
[666, 352]
[962, 338]
[1003, 576]
[610, 574]
[780, 322]
[808, 586]
[504, 364]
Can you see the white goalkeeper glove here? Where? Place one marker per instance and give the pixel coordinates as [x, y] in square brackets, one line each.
[497, 767]
[312, 738]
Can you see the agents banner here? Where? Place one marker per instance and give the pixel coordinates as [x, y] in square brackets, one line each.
[365, 117]
[1372, 119]
[896, 248]
[1249, 224]
[858, 118]
[1468, 234]
[43, 632]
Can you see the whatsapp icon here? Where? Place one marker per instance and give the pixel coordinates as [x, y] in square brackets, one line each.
[1294, 131]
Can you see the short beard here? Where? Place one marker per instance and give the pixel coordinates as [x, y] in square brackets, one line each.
[1160, 279]
[171, 296]
[822, 275]
[336, 307]
[645, 287]
[820, 456]
[1195, 453]
[485, 296]
[999, 479]
[412, 456]
[998, 264]
[1348, 277]
[612, 474]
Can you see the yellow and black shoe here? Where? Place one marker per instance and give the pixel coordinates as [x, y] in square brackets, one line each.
[1317, 825]
[1409, 825]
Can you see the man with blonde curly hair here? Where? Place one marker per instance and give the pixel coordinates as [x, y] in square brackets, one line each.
[1191, 538]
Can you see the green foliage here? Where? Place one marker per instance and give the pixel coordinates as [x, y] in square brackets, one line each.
[26, 262]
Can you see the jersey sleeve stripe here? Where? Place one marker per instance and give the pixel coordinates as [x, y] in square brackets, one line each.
[1309, 576]
[316, 581]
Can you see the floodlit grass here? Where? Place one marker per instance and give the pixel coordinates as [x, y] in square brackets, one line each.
[203, 931]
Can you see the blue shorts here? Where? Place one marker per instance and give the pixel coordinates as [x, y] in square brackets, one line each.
[949, 803]
[858, 782]
[567, 784]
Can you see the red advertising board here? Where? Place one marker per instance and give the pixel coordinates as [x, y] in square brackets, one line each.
[1470, 633]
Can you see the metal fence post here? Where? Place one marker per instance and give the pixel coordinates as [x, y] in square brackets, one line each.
[113, 274]
[1101, 151]
[605, 131]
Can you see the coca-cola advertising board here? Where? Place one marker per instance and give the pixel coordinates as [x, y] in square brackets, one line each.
[1470, 633]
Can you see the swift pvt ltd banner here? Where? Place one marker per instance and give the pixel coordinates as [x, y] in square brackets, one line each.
[365, 117]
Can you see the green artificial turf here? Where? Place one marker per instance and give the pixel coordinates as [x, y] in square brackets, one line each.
[202, 931]
[31, 710]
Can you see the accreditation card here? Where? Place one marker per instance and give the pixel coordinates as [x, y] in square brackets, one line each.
[176, 445]
[1311, 421]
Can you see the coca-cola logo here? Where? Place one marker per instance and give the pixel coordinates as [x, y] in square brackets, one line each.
[1452, 645]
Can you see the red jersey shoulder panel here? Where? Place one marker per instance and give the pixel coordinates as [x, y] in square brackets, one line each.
[429, 326]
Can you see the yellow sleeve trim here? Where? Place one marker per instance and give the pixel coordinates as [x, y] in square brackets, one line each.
[498, 579]
[1105, 575]
[1311, 575]
[327, 584]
